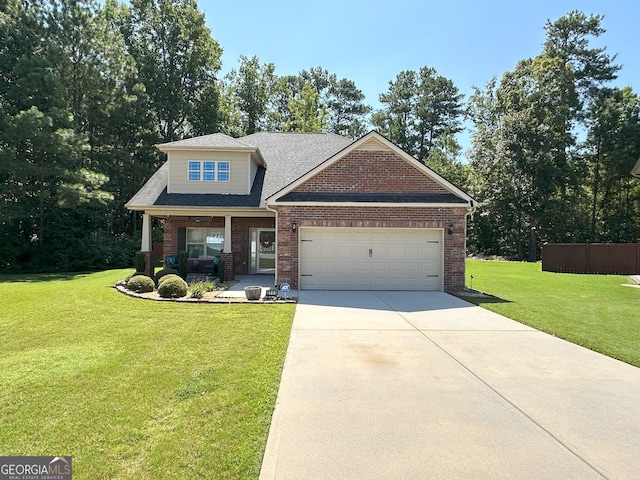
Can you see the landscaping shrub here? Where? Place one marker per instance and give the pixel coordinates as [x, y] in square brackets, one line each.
[126, 279]
[221, 271]
[183, 260]
[174, 287]
[139, 262]
[200, 287]
[196, 291]
[141, 284]
[164, 278]
[163, 272]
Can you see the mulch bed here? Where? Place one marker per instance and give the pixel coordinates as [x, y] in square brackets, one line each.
[208, 297]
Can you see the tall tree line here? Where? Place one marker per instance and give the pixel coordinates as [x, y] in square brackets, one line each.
[88, 89]
[85, 93]
[554, 146]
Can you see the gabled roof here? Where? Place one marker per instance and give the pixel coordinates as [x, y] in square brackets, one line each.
[289, 156]
[208, 142]
[150, 191]
[214, 199]
[456, 195]
[292, 158]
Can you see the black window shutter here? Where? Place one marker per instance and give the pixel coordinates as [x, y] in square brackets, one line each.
[182, 240]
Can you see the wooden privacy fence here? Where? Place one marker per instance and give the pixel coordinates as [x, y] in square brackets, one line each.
[606, 258]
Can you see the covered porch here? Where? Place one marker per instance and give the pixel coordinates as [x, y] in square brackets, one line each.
[243, 241]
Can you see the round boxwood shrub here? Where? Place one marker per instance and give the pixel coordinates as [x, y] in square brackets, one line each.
[141, 284]
[164, 278]
[163, 272]
[174, 287]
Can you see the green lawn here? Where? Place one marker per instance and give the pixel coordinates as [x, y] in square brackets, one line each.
[591, 310]
[134, 388]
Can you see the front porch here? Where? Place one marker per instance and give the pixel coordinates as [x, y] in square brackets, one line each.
[244, 242]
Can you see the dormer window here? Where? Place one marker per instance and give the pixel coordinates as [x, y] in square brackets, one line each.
[206, 171]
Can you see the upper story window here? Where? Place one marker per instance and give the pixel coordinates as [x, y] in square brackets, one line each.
[208, 171]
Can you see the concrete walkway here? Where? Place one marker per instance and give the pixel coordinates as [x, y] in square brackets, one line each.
[410, 385]
[237, 291]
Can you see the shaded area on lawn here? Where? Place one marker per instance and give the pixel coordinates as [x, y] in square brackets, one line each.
[42, 277]
[477, 300]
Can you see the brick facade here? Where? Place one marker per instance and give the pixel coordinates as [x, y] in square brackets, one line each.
[360, 171]
[240, 228]
[373, 171]
[149, 264]
[370, 171]
[374, 217]
[227, 258]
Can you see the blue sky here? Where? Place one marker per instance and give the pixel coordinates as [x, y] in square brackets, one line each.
[370, 42]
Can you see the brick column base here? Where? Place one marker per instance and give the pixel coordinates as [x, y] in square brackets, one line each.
[228, 266]
[149, 264]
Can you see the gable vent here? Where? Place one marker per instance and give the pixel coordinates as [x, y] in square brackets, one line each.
[372, 144]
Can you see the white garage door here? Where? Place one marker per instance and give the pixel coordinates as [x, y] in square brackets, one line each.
[370, 259]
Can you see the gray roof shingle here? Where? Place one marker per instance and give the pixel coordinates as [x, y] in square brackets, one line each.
[399, 197]
[288, 157]
[150, 191]
[215, 140]
[214, 199]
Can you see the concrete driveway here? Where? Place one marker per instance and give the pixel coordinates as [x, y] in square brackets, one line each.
[411, 385]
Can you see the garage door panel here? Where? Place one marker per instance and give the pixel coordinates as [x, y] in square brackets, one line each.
[363, 259]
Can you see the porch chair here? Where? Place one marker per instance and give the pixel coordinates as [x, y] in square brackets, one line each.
[211, 268]
[171, 261]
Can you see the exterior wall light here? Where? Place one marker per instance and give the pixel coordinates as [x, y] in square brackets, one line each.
[450, 231]
[294, 226]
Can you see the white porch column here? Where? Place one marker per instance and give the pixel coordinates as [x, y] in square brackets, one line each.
[227, 234]
[146, 245]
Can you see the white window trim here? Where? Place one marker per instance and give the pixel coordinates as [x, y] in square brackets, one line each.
[216, 170]
[218, 230]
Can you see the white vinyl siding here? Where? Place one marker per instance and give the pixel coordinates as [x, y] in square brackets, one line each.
[237, 173]
[373, 144]
[370, 259]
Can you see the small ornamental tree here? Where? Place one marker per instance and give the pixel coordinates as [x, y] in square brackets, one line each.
[139, 262]
[183, 260]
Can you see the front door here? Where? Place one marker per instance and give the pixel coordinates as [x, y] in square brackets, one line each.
[266, 251]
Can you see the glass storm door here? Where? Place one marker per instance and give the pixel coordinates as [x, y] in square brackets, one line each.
[263, 251]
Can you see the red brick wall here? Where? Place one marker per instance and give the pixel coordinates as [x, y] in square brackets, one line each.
[374, 217]
[240, 227]
[366, 171]
[373, 171]
[227, 258]
[171, 226]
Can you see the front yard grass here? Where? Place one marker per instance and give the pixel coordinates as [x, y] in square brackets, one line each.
[594, 311]
[132, 388]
